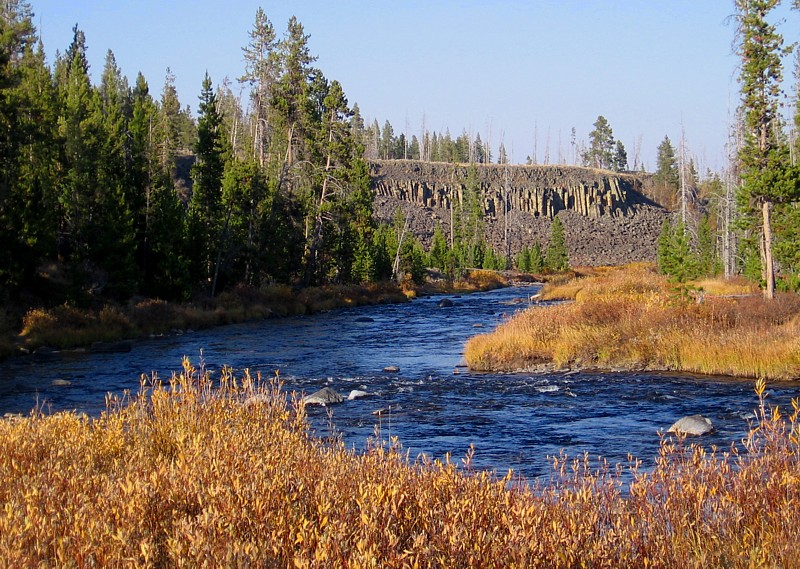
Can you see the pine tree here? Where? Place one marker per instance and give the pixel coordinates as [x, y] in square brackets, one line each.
[28, 149]
[205, 208]
[601, 151]
[666, 262]
[437, 256]
[767, 176]
[261, 74]
[557, 257]
[620, 160]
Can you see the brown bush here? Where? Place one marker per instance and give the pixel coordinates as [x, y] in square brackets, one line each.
[200, 473]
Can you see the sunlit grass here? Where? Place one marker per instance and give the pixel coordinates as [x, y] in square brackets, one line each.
[68, 327]
[225, 473]
[634, 319]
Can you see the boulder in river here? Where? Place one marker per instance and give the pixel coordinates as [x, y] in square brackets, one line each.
[445, 303]
[364, 319]
[324, 396]
[694, 425]
[391, 369]
[356, 394]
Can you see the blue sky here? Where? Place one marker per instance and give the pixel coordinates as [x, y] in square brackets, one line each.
[521, 72]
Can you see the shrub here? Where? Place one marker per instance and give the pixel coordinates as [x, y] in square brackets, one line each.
[202, 472]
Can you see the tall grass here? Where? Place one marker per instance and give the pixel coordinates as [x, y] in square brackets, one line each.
[634, 319]
[200, 473]
[68, 327]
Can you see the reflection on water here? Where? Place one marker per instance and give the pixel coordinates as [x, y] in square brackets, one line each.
[513, 420]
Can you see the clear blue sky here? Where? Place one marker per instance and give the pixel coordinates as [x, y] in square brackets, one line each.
[512, 70]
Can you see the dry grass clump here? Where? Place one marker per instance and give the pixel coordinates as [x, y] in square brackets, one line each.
[330, 297]
[193, 474]
[483, 280]
[732, 286]
[633, 319]
[67, 327]
[474, 280]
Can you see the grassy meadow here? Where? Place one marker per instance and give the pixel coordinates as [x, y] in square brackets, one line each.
[202, 472]
[633, 318]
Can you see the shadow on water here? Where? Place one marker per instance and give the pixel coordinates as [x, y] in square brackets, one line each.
[513, 420]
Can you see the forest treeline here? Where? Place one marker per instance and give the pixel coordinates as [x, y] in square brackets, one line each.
[116, 190]
[111, 190]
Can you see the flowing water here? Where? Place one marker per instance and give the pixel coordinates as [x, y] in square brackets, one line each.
[433, 405]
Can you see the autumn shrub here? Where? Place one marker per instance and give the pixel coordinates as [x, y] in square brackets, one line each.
[153, 316]
[66, 326]
[223, 471]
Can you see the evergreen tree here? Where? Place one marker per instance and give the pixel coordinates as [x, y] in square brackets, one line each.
[261, 74]
[620, 160]
[291, 97]
[535, 258]
[601, 151]
[28, 149]
[205, 211]
[768, 178]
[113, 244]
[557, 257]
[707, 262]
[437, 256]
[666, 263]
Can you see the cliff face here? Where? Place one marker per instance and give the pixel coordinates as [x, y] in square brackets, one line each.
[606, 218]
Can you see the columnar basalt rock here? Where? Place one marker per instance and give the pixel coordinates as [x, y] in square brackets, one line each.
[606, 217]
[538, 190]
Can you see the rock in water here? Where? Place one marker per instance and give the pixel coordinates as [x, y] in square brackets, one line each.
[324, 396]
[445, 303]
[356, 394]
[391, 369]
[695, 425]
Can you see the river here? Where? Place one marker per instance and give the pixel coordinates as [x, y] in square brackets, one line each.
[433, 404]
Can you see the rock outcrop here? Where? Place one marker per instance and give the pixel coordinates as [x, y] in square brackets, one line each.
[606, 217]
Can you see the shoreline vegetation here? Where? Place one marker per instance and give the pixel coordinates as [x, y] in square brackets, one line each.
[631, 318]
[66, 327]
[201, 471]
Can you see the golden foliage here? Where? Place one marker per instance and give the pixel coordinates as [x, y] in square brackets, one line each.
[218, 474]
[634, 319]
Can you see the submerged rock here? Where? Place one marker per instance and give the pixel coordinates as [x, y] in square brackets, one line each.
[364, 319]
[60, 383]
[694, 425]
[356, 394]
[324, 396]
[445, 303]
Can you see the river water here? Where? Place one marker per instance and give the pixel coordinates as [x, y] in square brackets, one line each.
[433, 405]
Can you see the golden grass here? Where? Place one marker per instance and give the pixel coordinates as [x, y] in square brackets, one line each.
[633, 319]
[69, 327]
[475, 280]
[721, 286]
[192, 474]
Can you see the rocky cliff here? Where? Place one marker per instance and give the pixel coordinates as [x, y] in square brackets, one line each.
[606, 217]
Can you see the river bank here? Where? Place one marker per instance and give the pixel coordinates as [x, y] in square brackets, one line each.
[634, 319]
[111, 326]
